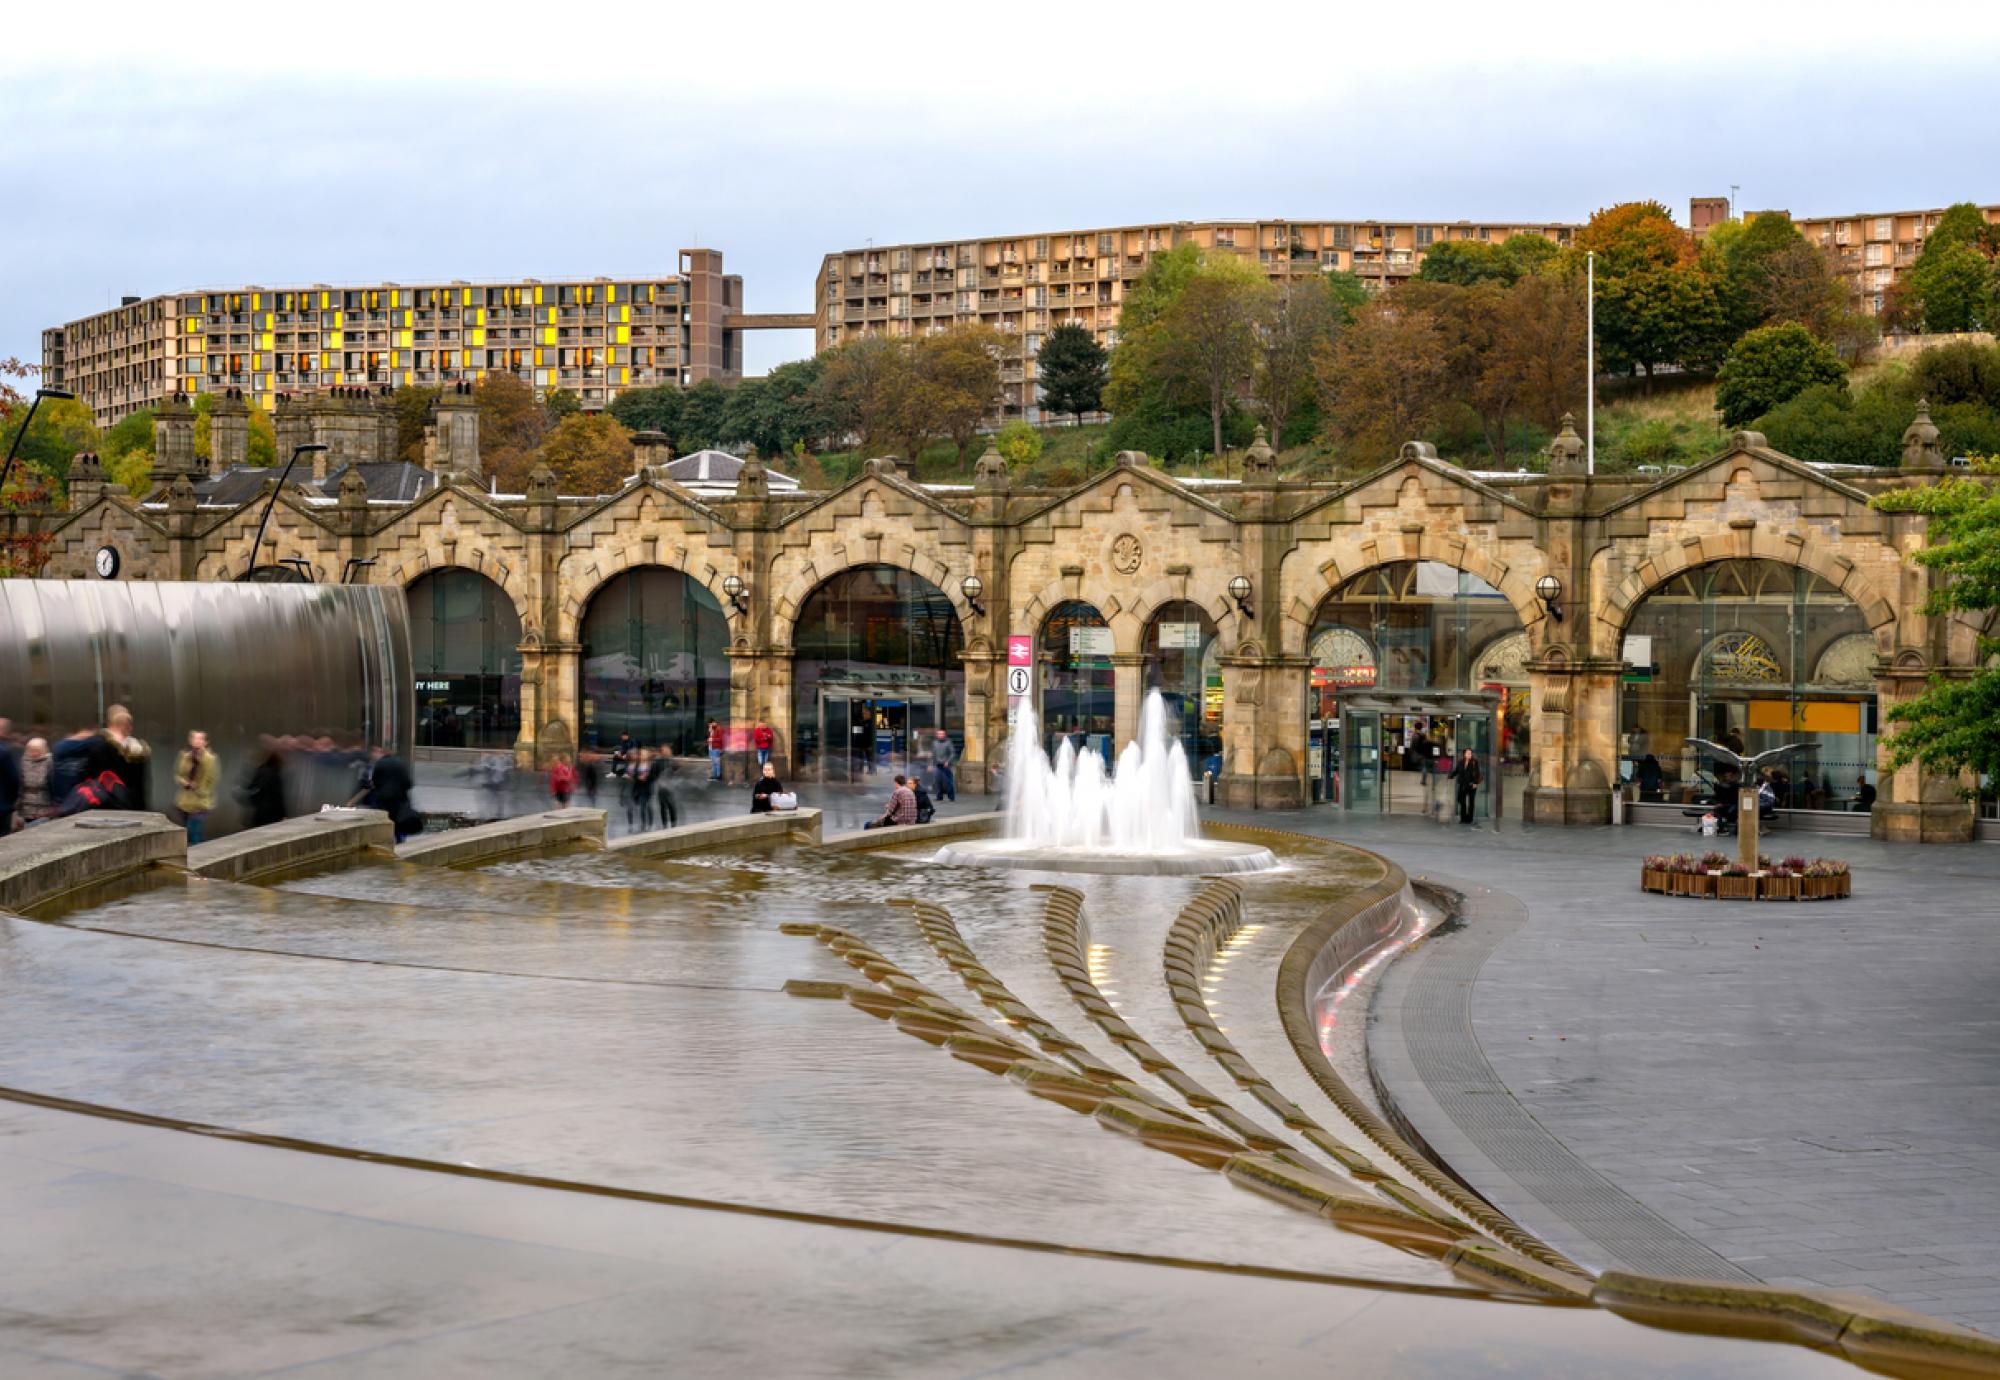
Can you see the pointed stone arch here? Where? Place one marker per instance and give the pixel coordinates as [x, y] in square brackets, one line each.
[1515, 585]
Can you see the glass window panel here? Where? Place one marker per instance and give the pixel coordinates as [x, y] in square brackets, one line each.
[655, 662]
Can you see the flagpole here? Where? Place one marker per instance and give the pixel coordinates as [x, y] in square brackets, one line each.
[1590, 366]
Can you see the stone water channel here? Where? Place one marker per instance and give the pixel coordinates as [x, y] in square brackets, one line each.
[619, 1023]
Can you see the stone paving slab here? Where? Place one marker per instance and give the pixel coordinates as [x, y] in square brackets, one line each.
[1808, 1090]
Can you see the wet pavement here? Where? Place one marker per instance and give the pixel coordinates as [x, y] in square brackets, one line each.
[1805, 1092]
[737, 1179]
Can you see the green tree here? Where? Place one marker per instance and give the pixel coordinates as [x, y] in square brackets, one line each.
[861, 389]
[561, 403]
[261, 444]
[1958, 372]
[1655, 303]
[1953, 285]
[1071, 370]
[1465, 262]
[649, 409]
[127, 446]
[589, 452]
[1197, 347]
[1771, 365]
[1954, 725]
[62, 427]
[702, 408]
[1301, 318]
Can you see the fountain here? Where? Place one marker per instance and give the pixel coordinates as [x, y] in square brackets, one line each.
[1068, 815]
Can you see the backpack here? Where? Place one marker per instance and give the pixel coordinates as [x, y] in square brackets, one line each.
[104, 791]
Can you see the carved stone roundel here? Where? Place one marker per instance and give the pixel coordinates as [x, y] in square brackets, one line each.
[1126, 553]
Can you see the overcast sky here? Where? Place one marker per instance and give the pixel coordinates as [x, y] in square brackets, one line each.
[150, 148]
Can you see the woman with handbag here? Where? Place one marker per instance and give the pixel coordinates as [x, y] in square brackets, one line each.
[765, 795]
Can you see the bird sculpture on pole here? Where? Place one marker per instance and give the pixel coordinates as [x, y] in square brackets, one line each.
[1747, 765]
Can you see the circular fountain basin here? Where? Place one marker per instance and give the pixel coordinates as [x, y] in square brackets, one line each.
[1193, 857]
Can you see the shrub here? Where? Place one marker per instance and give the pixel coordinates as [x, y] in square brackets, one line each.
[1018, 443]
[1772, 365]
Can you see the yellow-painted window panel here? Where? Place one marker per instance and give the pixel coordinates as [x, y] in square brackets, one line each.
[409, 377]
[478, 336]
[395, 297]
[333, 339]
[538, 355]
[325, 300]
[406, 317]
[256, 362]
[267, 340]
[611, 292]
[624, 375]
[395, 359]
[404, 338]
[256, 301]
[270, 401]
[611, 355]
[624, 313]
[481, 316]
[325, 360]
[340, 318]
[266, 384]
[465, 297]
[548, 335]
[552, 315]
[624, 335]
[538, 295]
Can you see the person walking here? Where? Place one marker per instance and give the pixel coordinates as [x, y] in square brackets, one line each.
[562, 781]
[590, 775]
[902, 807]
[943, 755]
[1422, 755]
[657, 773]
[390, 784]
[196, 775]
[136, 757]
[639, 791]
[263, 795]
[763, 740]
[1467, 775]
[767, 786]
[36, 803]
[715, 742]
[491, 772]
[10, 779]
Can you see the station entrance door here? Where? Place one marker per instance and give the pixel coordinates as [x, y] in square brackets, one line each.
[1389, 752]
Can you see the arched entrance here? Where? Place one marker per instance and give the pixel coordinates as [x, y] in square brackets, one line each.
[1413, 662]
[1078, 684]
[655, 661]
[877, 670]
[465, 639]
[1183, 663]
[1757, 653]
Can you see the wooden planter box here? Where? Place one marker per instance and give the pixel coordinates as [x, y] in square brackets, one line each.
[1650, 880]
[1779, 888]
[1728, 888]
[1694, 884]
[1827, 888]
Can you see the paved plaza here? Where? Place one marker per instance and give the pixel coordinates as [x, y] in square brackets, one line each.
[1800, 1093]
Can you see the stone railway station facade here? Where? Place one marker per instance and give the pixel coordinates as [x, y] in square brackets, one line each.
[1593, 620]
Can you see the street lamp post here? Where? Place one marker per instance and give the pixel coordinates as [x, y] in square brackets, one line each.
[26, 422]
[258, 546]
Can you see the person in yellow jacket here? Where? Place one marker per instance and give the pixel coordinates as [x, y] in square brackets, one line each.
[197, 774]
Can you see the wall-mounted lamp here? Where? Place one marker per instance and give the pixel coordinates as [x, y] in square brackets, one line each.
[735, 590]
[1239, 590]
[1549, 590]
[972, 587]
[354, 563]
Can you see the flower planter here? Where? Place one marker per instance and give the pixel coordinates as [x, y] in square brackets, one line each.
[1697, 884]
[1778, 888]
[1728, 888]
[1656, 879]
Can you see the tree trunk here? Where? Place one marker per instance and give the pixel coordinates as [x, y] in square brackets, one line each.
[1215, 425]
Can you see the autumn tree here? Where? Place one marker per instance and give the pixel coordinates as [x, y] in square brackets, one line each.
[862, 388]
[1655, 304]
[512, 424]
[955, 386]
[1203, 348]
[1381, 380]
[24, 542]
[589, 452]
[1071, 370]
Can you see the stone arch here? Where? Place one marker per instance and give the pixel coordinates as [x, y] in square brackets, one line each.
[418, 564]
[787, 605]
[1028, 617]
[1516, 586]
[597, 566]
[1801, 549]
[1207, 590]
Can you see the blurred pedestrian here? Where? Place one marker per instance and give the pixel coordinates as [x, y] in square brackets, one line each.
[263, 794]
[37, 770]
[639, 791]
[390, 785]
[763, 740]
[10, 779]
[715, 744]
[490, 772]
[663, 788]
[562, 781]
[943, 756]
[590, 774]
[135, 754]
[196, 774]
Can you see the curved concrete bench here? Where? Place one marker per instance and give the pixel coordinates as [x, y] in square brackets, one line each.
[504, 838]
[42, 863]
[801, 826]
[309, 841]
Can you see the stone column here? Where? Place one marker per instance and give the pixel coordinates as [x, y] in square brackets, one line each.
[1128, 693]
[1911, 804]
[760, 687]
[1263, 732]
[229, 432]
[985, 716]
[1573, 740]
[548, 700]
